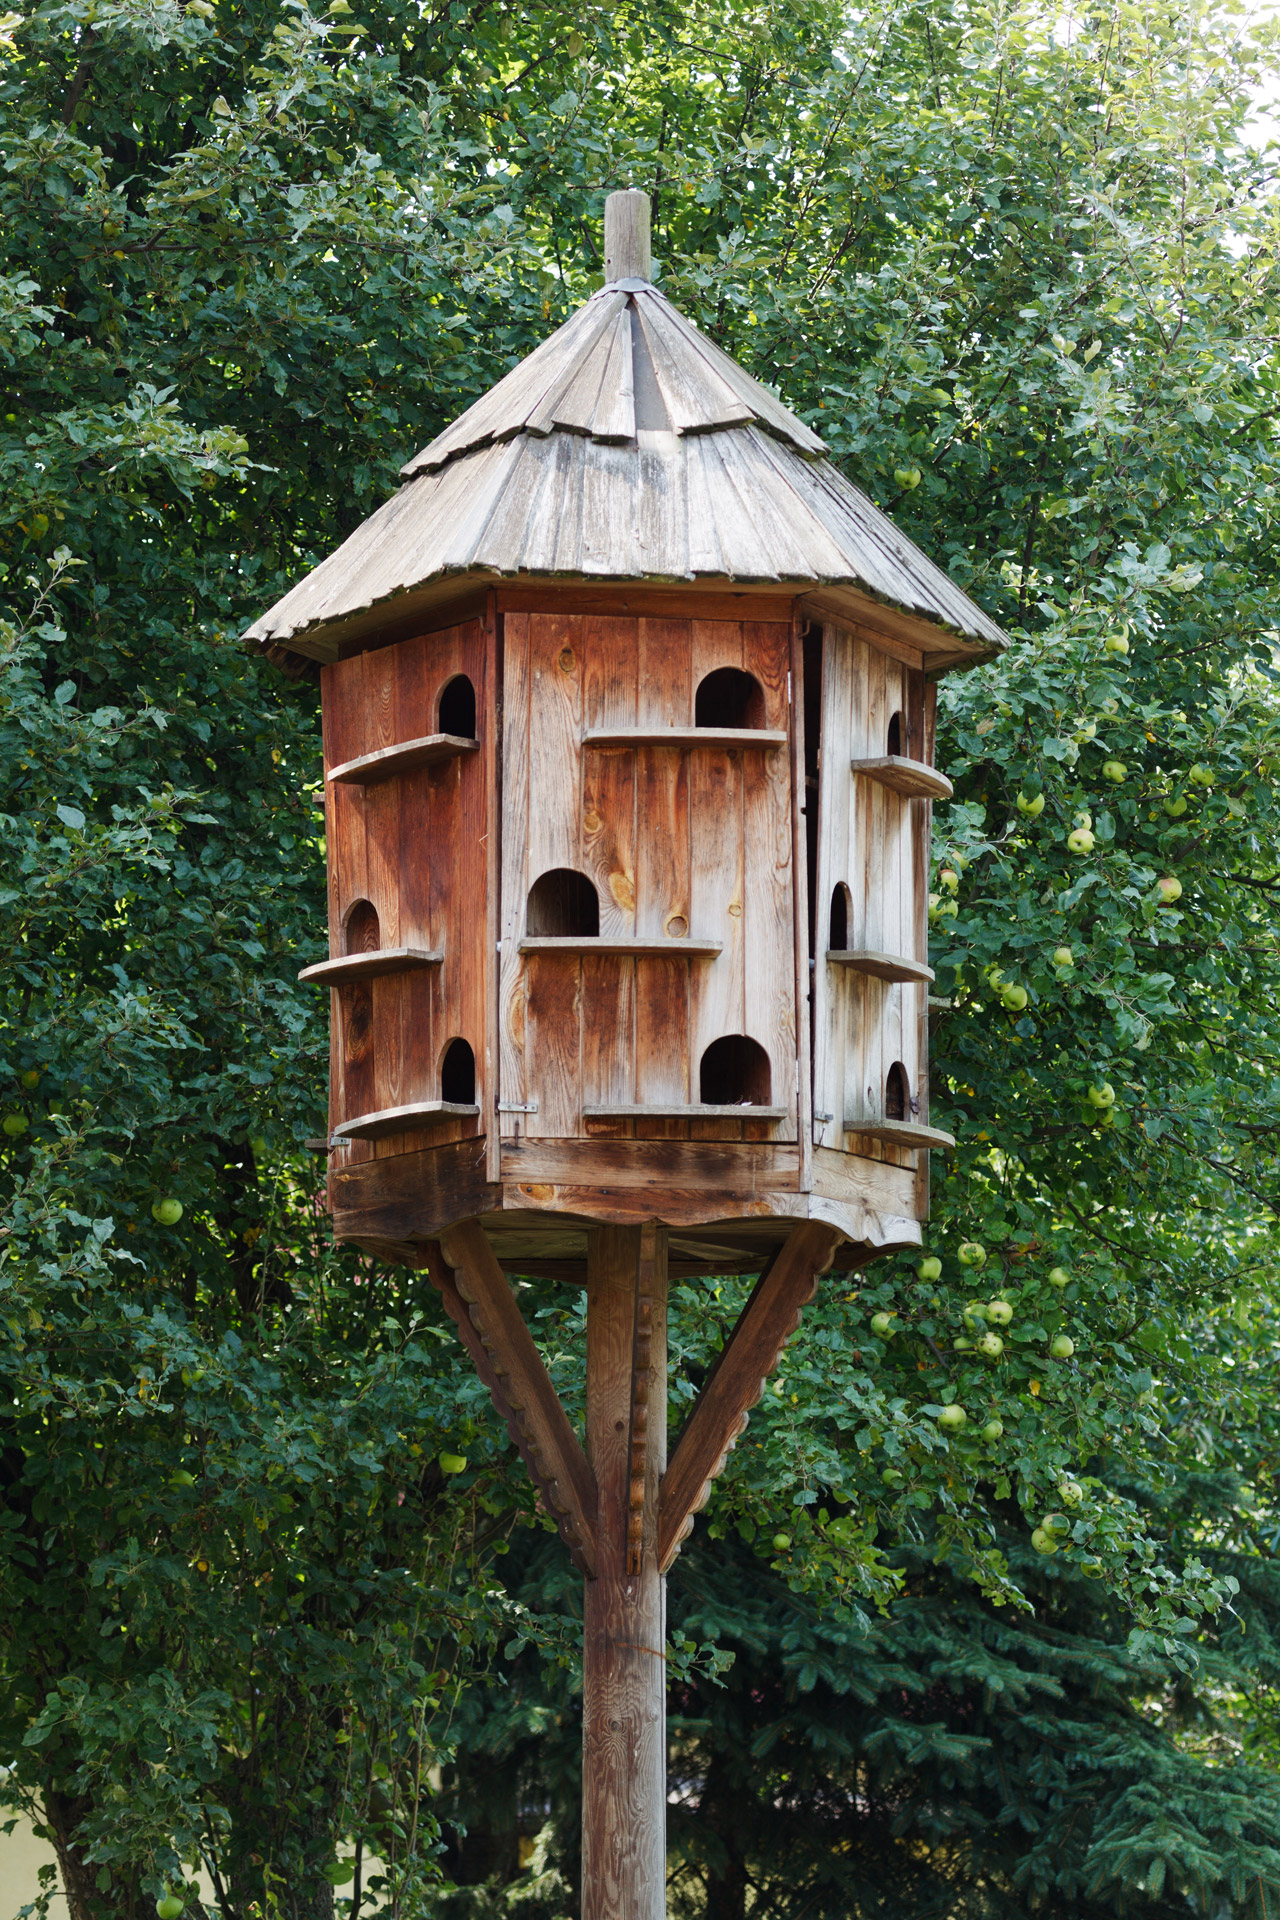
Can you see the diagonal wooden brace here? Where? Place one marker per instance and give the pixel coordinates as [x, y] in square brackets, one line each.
[479, 1300]
[737, 1380]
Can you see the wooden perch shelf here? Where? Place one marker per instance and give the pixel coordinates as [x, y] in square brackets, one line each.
[370, 966]
[423, 1113]
[882, 966]
[682, 737]
[899, 1133]
[407, 757]
[683, 1110]
[604, 943]
[913, 778]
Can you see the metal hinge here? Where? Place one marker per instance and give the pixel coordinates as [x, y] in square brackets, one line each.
[517, 1106]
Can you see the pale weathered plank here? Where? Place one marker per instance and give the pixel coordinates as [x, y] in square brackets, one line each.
[384, 764]
[367, 966]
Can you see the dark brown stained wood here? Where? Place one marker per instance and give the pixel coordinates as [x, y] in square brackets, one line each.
[882, 966]
[900, 1133]
[608, 1027]
[369, 966]
[652, 1165]
[856, 1180]
[698, 1207]
[489, 973]
[911, 778]
[624, 1657]
[424, 1113]
[370, 769]
[437, 1183]
[684, 738]
[738, 1379]
[512, 1362]
[689, 1110]
[801, 979]
[680, 949]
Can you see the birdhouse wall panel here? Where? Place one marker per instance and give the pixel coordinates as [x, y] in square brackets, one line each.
[832, 997]
[408, 845]
[675, 841]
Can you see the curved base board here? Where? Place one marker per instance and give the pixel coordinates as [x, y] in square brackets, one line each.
[727, 1204]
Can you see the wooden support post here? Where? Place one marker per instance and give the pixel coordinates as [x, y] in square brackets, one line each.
[624, 1772]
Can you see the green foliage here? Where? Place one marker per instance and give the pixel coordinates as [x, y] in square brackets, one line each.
[1022, 278]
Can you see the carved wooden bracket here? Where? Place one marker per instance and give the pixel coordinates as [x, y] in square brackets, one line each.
[479, 1300]
[737, 1380]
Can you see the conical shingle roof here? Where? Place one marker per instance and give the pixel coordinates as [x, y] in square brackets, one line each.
[627, 447]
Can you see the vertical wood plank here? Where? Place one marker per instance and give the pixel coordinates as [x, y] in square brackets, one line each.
[553, 1029]
[802, 973]
[662, 857]
[489, 698]
[624, 1677]
[515, 862]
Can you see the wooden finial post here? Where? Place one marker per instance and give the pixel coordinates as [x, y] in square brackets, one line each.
[626, 236]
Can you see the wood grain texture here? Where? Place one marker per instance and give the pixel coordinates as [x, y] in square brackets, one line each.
[624, 1657]
[802, 974]
[911, 778]
[489, 973]
[882, 966]
[495, 1377]
[738, 1378]
[547, 1441]
[686, 739]
[368, 966]
[407, 1119]
[371, 769]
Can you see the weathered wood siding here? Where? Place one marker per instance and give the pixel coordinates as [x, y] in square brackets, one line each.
[875, 842]
[679, 842]
[413, 847]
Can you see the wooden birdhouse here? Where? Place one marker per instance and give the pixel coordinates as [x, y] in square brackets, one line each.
[628, 728]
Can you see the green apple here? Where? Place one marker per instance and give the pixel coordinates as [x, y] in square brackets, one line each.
[1086, 730]
[882, 1324]
[1014, 998]
[952, 1418]
[781, 1541]
[1115, 771]
[993, 1430]
[453, 1463]
[31, 1079]
[1091, 1569]
[1116, 643]
[1062, 1346]
[167, 1212]
[991, 1345]
[891, 1477]
[999, 1312]
[1032, 804]
[961, 1345]
[1043, 1542]
[1059, 1277]
[1063, 957]
[972, 1254]
[168, 1907]
[949, 880]
[907, 478]
[1175, 806]
[1057, 1524]
[1080, 840]
[14, 1124]
[1200, 775]
[1102, 1096]
[1169, 889]
[973, 1310]
[930, 1268]
[1082, 819]
[1070, 1492]
[181, 1478]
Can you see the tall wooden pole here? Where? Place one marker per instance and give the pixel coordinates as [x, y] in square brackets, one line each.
[624, 1747]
